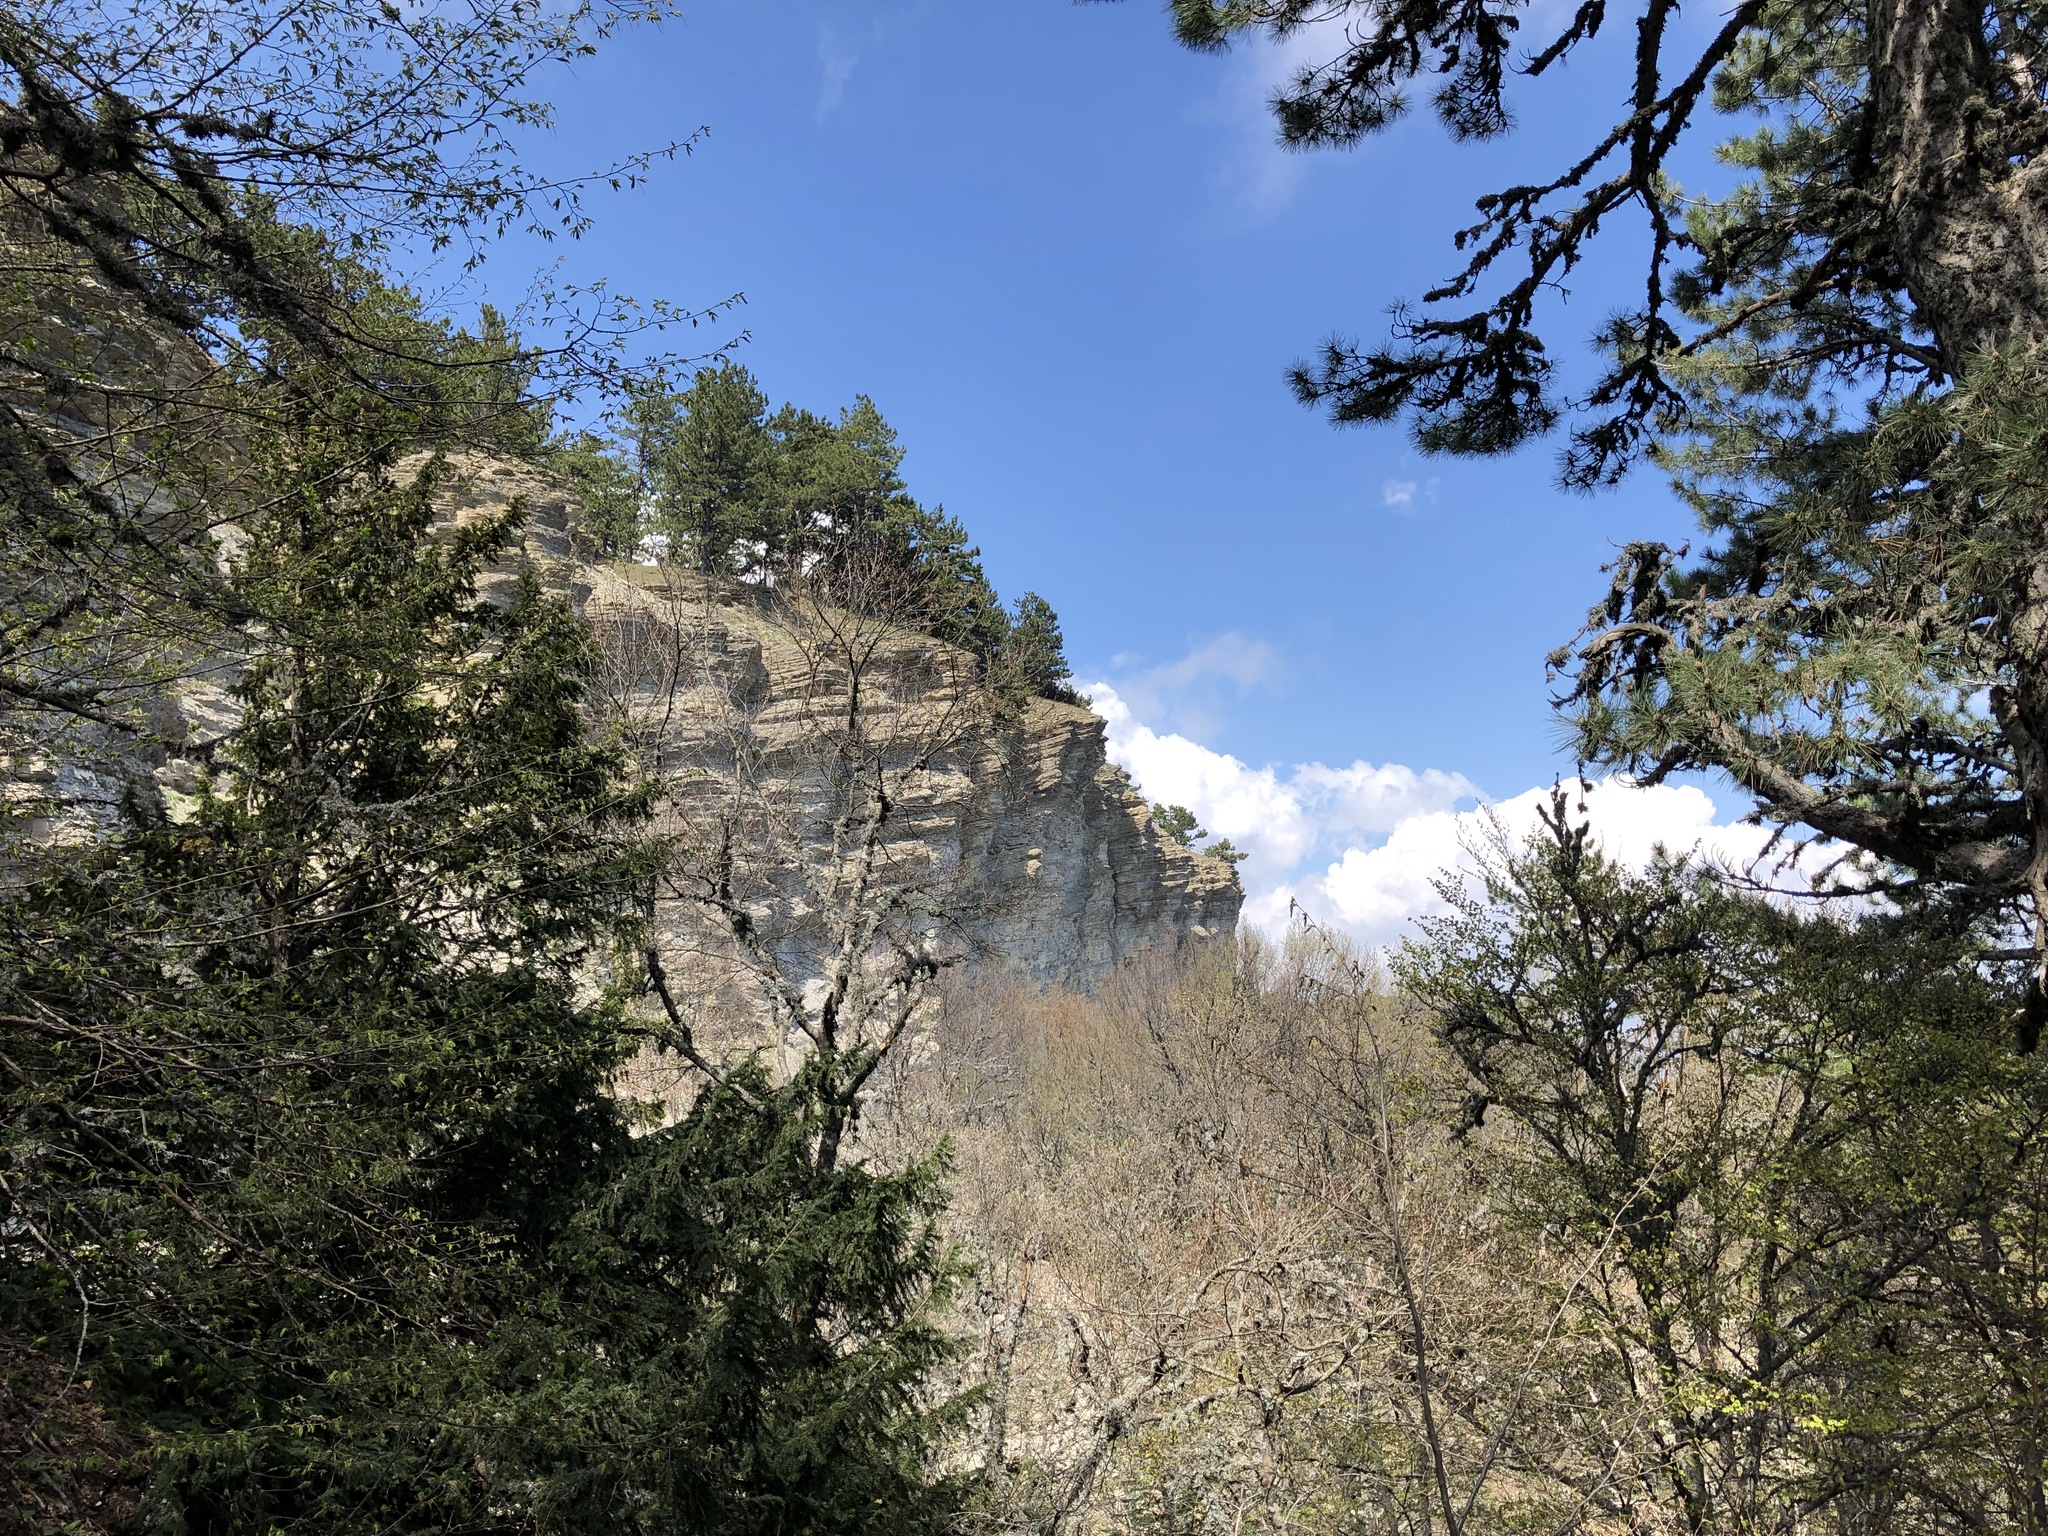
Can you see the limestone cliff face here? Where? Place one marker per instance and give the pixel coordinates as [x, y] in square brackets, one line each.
[1086, 879]
[1022, 826]
[1022, 832]
[1038, 849]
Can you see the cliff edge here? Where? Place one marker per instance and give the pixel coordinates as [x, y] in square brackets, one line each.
[1040, 849]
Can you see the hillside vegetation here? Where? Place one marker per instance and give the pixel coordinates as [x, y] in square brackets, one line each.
[1618, 1200]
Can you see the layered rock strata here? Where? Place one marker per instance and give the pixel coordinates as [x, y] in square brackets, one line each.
[1036, 851]
[1039, 851]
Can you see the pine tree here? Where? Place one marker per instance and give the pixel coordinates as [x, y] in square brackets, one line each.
[1178, 823]
[709, 458]
[1837, 362]
[1036, 652]
[608, 491]
[1891, 226]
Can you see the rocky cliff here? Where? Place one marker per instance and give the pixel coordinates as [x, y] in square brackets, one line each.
[1012, 840]
[1016, 825]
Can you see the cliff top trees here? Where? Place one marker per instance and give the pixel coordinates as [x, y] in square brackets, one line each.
[709, 462]
[1036, 652]
[736, 491]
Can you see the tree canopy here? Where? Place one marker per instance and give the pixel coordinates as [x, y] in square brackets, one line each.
[713, 478]
[1837, 363]
[1791, 1165]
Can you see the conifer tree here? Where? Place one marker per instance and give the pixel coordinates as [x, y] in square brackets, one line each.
[1037, 652]
[608, 492]
[1178, 823]
[709, 465]
[1837, 363]
[316, 1168]
[323, 1208]
[1890, 227]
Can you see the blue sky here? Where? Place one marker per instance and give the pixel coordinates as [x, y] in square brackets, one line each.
[1067, 261]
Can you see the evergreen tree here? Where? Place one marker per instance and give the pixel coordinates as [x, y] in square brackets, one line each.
[951, 593]
[709, 456]
[839, 486]
[315, 1166]
[609, 490]
[1178, 823]
[322, 1208]
[848, 522]
[1890, 227]
[1036, 652]
[800, 496]
[1838, 362]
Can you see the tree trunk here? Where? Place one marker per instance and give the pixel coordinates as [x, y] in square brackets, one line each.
[1966, 205]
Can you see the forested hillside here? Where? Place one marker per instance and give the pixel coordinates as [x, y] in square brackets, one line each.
[1617, 1199]
[323, 1212]
[709, 477]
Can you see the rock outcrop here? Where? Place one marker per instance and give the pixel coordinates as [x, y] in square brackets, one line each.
[1039, 852]
[1044, 847]
[1089, 880]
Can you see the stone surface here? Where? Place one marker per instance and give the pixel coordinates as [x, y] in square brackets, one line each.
[1087, 880]
[1021, 826]
[1045, 845]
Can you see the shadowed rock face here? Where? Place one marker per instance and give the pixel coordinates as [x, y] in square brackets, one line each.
[1050, 853]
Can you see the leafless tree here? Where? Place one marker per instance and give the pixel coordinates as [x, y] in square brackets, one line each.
[1232, 1270]
[803, 737]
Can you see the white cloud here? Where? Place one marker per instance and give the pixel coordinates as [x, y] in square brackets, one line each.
[1406, 498]
[1260, 176]
[1184, 694]
[1377, 893]
[1362, 847]
[836, 61]
[1280, 821]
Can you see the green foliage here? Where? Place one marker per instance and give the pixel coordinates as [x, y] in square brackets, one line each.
[310, 1139]
[1860, 645]
[610, 492]
[464, 390]
[749, 1335]
[1035, 652]
[1838, 361]
[740, 493]
[323, 1209]
[1794, 1165]
[1178, 823]
[1868, 243]
[709, 460]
